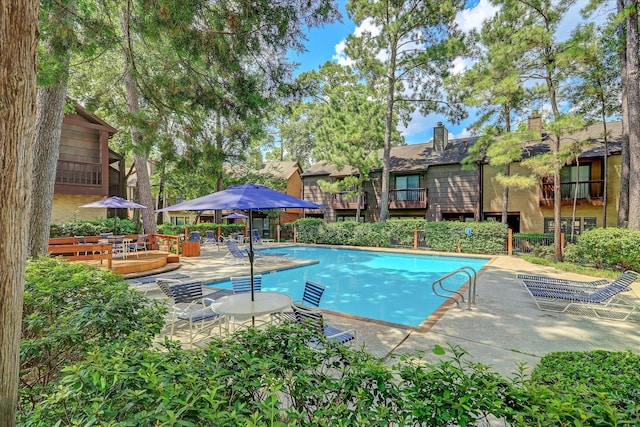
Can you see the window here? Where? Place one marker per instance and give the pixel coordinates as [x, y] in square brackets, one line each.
[565, 225]
[589, 222]
[349, 218]
[180, 220]
[569, 175]
[407, 187]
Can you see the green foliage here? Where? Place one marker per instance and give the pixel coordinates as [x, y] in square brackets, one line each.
[308, 229]
[269, 377]
[225, 229]
[607, 248]
[452, 392]
[92, 228]
[484, 238]
[70, 310]
[597, 388]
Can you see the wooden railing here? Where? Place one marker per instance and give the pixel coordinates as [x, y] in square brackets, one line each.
[408, 198]
[79, 173]
[70, 249]
[589, 193]
[341, 201]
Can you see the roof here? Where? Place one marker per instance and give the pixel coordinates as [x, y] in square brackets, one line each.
[280, 169]
[407, 158]
[418, 157]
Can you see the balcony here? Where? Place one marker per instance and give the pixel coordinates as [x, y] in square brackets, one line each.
[341, 201]
[409, 198]
[589, 193]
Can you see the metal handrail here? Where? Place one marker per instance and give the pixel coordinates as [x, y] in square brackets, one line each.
[472, 286]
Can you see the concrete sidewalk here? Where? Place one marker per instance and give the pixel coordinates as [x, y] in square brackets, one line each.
[503, 329]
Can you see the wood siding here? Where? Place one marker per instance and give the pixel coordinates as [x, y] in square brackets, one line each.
[452, 189]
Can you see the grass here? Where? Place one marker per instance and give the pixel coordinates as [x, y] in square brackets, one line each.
[572, 268]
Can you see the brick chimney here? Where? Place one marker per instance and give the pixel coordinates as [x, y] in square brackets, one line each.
[440, 137]
[535, 123]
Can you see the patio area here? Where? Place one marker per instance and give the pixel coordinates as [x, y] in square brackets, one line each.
[503, 329]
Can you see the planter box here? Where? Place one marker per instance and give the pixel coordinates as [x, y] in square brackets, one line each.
[190, 249]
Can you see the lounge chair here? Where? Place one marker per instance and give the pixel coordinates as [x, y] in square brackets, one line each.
[556, 281]
[189, 306]
[194, 236]
[313, 317]
[606, 302]
[310, 297]
[626, 278]
[235, 252]
[243, 284]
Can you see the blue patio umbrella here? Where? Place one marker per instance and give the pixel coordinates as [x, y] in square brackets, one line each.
[114, 202]
[246, 197]
[235, 216]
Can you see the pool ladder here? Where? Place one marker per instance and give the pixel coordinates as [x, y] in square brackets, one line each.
[439, 289]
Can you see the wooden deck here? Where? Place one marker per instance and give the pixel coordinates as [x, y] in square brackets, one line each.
[143, 264]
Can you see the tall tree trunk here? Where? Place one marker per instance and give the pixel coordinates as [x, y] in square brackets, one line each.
[19, 41]
[633, 98]
[49, 116]
[141, 155]
[388, 130]
[623, 204]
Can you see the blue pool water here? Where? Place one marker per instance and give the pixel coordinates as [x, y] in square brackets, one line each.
[384, 286]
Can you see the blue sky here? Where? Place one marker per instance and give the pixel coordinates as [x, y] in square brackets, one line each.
[324, 44]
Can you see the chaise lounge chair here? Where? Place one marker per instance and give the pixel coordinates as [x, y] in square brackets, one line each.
[606, 302]
[626, 278]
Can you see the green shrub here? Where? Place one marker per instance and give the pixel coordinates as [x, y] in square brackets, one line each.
[69, 310]
[269, 377]
[596, 388]
[606, 248]
[470, 237]
[202, 228]
[92, 228]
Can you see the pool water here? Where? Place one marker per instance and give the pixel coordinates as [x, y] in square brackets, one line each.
[388, 287]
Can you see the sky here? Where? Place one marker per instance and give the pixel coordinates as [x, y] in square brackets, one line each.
[327, 44]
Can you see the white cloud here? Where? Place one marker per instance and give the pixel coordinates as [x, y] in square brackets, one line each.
[367, 26]
[340, 56]
[471, 19]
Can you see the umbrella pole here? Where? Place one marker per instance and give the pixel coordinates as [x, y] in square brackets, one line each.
[251, 252]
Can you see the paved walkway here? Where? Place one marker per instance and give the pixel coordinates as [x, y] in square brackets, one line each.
[503, 329]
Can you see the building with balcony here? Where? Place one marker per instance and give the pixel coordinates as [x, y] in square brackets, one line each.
[426, 181]
[87, 169]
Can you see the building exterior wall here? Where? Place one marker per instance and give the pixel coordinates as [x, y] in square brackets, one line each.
[66, 207]
[526, 202]
[450, 189]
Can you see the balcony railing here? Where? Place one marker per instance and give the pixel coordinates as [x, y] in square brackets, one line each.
[79, 173]
[341, 201]
[409, 198]
[589, 193]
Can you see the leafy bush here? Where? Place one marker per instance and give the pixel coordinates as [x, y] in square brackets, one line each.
[91, 228]
[269, 377]
[308, 230]
[471, 237]
[69, 310]
[596, 388]
[607, 248]
[225, 229]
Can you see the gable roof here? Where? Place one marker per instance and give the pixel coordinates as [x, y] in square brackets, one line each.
[280, 169]
[593, 133]
[418, 157]
[407, 158]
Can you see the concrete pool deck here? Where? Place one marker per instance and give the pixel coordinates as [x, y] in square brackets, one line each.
[503, 329]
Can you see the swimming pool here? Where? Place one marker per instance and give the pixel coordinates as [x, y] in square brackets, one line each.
[385, 286]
